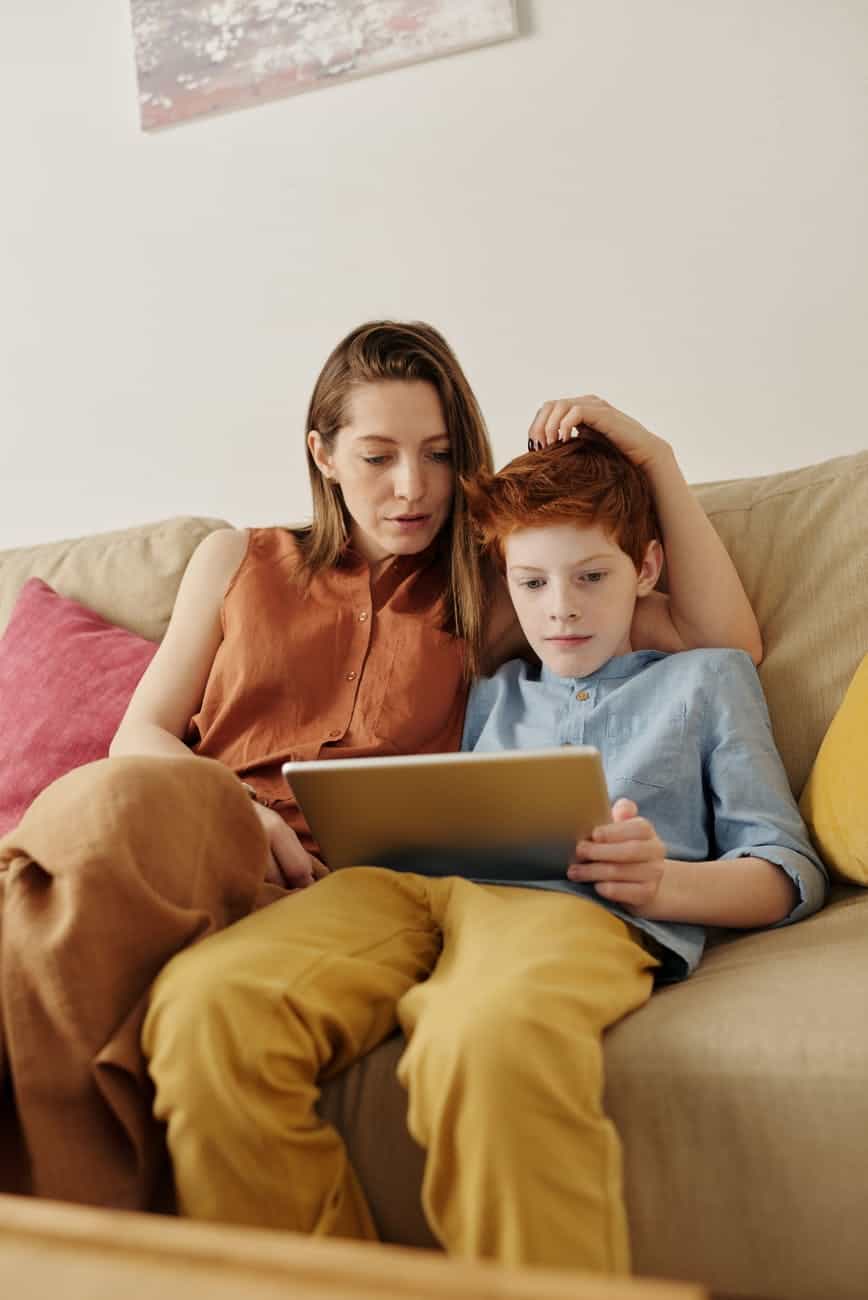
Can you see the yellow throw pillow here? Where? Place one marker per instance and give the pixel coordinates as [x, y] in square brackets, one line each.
[834, 802]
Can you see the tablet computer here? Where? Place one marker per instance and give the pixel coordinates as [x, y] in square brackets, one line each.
[512, 815]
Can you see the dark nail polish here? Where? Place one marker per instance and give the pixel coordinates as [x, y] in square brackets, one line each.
[530, 444]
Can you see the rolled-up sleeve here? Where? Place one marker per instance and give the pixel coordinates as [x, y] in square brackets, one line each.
[755, 814]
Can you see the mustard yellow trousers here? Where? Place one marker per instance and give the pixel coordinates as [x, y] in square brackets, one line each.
[503, 994]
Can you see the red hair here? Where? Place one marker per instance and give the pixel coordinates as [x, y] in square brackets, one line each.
[586, 480]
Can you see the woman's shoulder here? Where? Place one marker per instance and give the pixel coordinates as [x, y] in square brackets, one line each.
[271, 545]
[218, 556]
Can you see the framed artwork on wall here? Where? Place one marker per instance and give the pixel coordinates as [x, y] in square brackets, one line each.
[209, 56]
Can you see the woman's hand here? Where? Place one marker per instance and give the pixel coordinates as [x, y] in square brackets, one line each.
[291, 864]
[624, 860]
[556, 421]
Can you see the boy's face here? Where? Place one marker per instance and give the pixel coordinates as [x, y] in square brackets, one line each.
[574, 591]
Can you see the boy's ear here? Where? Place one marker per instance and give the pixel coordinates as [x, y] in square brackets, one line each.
[651, 566]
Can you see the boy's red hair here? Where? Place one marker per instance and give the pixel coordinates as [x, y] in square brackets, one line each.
[586, 480]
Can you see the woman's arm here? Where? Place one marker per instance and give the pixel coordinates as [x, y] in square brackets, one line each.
[173, 684]
[706, 605]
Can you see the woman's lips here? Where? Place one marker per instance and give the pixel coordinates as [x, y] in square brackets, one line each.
[567, 640]
[410, 521]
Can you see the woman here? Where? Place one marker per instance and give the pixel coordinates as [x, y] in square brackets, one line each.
[355, 636]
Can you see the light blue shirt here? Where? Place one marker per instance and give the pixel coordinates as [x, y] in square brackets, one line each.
[687, 737]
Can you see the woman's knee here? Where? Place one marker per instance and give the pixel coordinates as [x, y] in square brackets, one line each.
[113, 799]
[142, 829]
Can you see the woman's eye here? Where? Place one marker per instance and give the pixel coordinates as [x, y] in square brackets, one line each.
[375, 460]
[533, 584]
[593, 577]
[441, 457]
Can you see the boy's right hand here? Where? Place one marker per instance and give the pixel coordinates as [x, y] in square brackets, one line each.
[624, 860]
[555, 421]
[292, 866]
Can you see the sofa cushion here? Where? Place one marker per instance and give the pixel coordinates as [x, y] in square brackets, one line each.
[800, 543]
[66, 676]
[834, 803]
[131, 577]
[740, 1099]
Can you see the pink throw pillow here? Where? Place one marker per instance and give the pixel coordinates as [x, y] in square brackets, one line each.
[66, 677]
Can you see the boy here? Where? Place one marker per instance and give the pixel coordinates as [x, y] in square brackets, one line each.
[686, 742]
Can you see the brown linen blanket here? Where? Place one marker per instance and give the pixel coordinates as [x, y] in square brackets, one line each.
[112, 870]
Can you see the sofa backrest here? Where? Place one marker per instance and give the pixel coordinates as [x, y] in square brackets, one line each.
[798, 539]
[800, 543]
[130, 577]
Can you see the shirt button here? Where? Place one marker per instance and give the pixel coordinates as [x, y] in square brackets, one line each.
[582, 695]
[351, 677]
[363, 617]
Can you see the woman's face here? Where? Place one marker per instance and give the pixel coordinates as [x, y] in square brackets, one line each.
[393, 461]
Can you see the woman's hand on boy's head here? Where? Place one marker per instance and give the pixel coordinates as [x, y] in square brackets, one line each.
[556, 421]
[624, 860]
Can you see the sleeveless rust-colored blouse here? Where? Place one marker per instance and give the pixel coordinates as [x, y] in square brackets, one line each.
[348, 667]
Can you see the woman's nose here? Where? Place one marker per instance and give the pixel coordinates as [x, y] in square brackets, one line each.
[409, 482]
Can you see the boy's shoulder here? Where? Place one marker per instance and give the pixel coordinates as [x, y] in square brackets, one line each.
[712, 673]
[710, 662]
[505, 678]
[504, 692]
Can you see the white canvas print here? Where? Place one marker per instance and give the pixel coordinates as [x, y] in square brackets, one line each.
[207, 56]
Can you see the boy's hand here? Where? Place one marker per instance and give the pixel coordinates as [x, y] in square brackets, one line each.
[291, 866]
[624, 860]
[555, 422]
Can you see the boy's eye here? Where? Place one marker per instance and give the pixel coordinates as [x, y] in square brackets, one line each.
[593, 577]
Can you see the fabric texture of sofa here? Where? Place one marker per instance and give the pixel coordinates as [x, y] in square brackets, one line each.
[741, 1095]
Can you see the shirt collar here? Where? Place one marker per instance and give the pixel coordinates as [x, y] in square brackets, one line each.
[617, 668]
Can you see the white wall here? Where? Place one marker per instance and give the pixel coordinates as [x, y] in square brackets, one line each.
[660, 201]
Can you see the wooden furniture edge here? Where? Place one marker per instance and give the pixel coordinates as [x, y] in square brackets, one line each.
[323, 1267]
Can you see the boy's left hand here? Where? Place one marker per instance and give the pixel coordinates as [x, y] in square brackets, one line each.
[624, 859]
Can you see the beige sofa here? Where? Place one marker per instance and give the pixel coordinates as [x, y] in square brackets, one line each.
[741, 1095]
